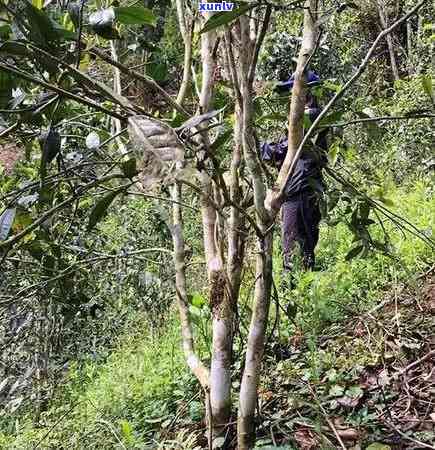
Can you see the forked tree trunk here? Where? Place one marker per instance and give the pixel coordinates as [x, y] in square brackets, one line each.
[263, 271]
[220, 294]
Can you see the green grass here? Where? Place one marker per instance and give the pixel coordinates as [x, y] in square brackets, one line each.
[342, 288]
[131, 399]
[124, 402]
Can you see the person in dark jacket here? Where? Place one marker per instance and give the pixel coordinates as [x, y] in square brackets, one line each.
[300, 209]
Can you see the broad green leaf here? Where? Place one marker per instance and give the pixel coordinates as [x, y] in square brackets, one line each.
[6, 221]
[428, 85]
[50, 147]
[291, 310]
[333, 154]
[135, 15]
[221, 139]
[127, 430]
[331, 118]
[99, 210]
[197, 300]
[38, 3]
[386, 201]
[354, 252]
[158, 72]
[5, 31]
[41, 27]
[129, 168]
[6, 85]
[336, 391]
[307, 121]
[226, 17]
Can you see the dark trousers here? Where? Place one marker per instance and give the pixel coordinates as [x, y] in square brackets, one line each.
[300, 224]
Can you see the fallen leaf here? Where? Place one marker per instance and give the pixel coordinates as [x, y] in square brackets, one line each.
[306, 439]
[350, 434]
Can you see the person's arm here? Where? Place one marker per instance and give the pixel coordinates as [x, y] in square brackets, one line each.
[274, 152]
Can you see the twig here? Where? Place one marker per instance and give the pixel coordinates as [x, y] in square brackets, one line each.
[79, 34]
[259, 43]
[62, 92]
[55, 425]
[111, 429]
[416, 363]
[145, 80]
[331, 425]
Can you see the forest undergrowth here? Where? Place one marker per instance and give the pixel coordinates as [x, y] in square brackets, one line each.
[350, 358]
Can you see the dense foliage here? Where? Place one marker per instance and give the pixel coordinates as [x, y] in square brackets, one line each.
[91, 352]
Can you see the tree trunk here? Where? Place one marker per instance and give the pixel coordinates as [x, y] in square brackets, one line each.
[390, 44]
[220, 295]
[263, 272]
[297, 103]
[194, 363]
[255, 346]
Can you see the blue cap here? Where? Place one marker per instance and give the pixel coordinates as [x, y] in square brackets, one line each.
[285, 86]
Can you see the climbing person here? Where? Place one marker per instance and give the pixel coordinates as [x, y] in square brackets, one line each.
[301, 206]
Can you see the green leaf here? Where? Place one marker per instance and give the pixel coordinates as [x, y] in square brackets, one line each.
[5, 31]
[354, 252]
[99, 210]
[41, 27]
[127, 430]
[158, 72]
[50, 147]
[378, 446]
[226, 17]
[129, 168]
[331, 118]
[6, 221]
[307, 121]
[74, 13]
[14, 48]
[333, 154]
[135, 15]
[386, 201]
[336, 391]
[427, 83]
[197, 300]
[221, 139]
[6, 85]
[38, 3]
